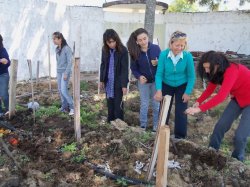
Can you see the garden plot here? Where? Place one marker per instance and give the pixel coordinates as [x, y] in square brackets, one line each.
[49, 156]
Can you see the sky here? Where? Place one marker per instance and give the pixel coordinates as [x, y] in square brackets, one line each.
[225, 4]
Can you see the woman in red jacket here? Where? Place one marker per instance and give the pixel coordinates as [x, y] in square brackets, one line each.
[235, 81]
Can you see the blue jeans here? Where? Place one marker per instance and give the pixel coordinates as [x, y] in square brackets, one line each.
[147, 92]
[66, 99]
[232, 112]
[4, 94]
[180, 127]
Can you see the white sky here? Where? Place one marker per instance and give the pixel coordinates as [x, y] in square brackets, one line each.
[225, 4]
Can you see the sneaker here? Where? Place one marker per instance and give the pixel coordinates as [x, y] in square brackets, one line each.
[71, 112]
[62, 109]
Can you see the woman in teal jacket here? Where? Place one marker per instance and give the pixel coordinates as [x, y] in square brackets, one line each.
[175, 76]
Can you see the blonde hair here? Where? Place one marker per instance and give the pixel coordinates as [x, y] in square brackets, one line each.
[177, 35]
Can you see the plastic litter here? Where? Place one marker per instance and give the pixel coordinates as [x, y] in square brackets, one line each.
[138, 166]
[173, 164]
[34, 106]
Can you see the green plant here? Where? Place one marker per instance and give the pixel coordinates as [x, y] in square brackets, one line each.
[121, 182]
[225, 147]
[247, 162]
[84, 86]
[48, 177]
[2, 160]
[81, 157]
[248, 146]
[50, 111]
[88, 117]
[24, 158]
[20, 108]
[144, 137]
[69, 148]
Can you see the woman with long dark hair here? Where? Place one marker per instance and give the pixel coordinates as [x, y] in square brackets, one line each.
[64, 69]
[114, 73]
[4, 77]
[234, 80]
[144, 59]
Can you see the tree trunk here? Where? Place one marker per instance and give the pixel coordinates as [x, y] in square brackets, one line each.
[150, 18]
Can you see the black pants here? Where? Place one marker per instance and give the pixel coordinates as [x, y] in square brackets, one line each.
[115, 106]
[180, 128]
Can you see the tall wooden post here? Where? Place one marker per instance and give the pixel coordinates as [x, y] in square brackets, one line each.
[76, 86]
[12, 87]
[32, 88]
[162, 161]
[49, 65]
[162, 121]
[37, 72]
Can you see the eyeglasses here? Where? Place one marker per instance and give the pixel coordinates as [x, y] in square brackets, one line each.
[179, 35]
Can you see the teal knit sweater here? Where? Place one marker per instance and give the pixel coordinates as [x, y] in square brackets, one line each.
[183, 72]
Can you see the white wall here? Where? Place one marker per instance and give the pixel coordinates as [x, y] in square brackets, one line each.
[206, 31]
[26, 24]
[220, 31]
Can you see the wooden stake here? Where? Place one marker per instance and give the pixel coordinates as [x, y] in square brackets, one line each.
[12, 87]
[49, 65]
[162, 161]
[37, 72]
[76, 83]
[32, 89]
[162, 121]
[129, 73]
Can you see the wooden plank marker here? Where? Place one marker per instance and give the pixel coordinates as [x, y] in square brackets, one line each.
[32, 89]
[76, 86]
[162, 161]
[37, 72]
[12, 87]
[49, 65]
[162, 121]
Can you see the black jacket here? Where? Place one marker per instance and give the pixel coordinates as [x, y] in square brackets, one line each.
[121, 68]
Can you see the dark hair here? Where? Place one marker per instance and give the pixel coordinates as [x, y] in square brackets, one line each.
[1, 41]
[60, 36]
[214, 59]
[133, 48]
[111, 34]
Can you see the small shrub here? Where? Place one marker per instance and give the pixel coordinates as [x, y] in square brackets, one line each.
[121, 182]
[248, 146]
[69, 148]
[84, 86]
[2, 160]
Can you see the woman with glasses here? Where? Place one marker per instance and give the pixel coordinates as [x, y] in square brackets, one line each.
[144, 58]
[114, 73]
[175, 76]
[234, 80]
[4, 77]
[64, 69]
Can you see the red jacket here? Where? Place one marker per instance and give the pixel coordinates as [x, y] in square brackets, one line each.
[236, 83]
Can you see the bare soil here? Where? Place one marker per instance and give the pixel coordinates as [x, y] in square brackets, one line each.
[44, 161]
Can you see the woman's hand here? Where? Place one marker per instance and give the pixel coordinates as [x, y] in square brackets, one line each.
[196, 104]
[65, 76]
[185, 98]
[142, 79]
[193, 110]
[158, 95]
[124, 91]
[3, 61]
